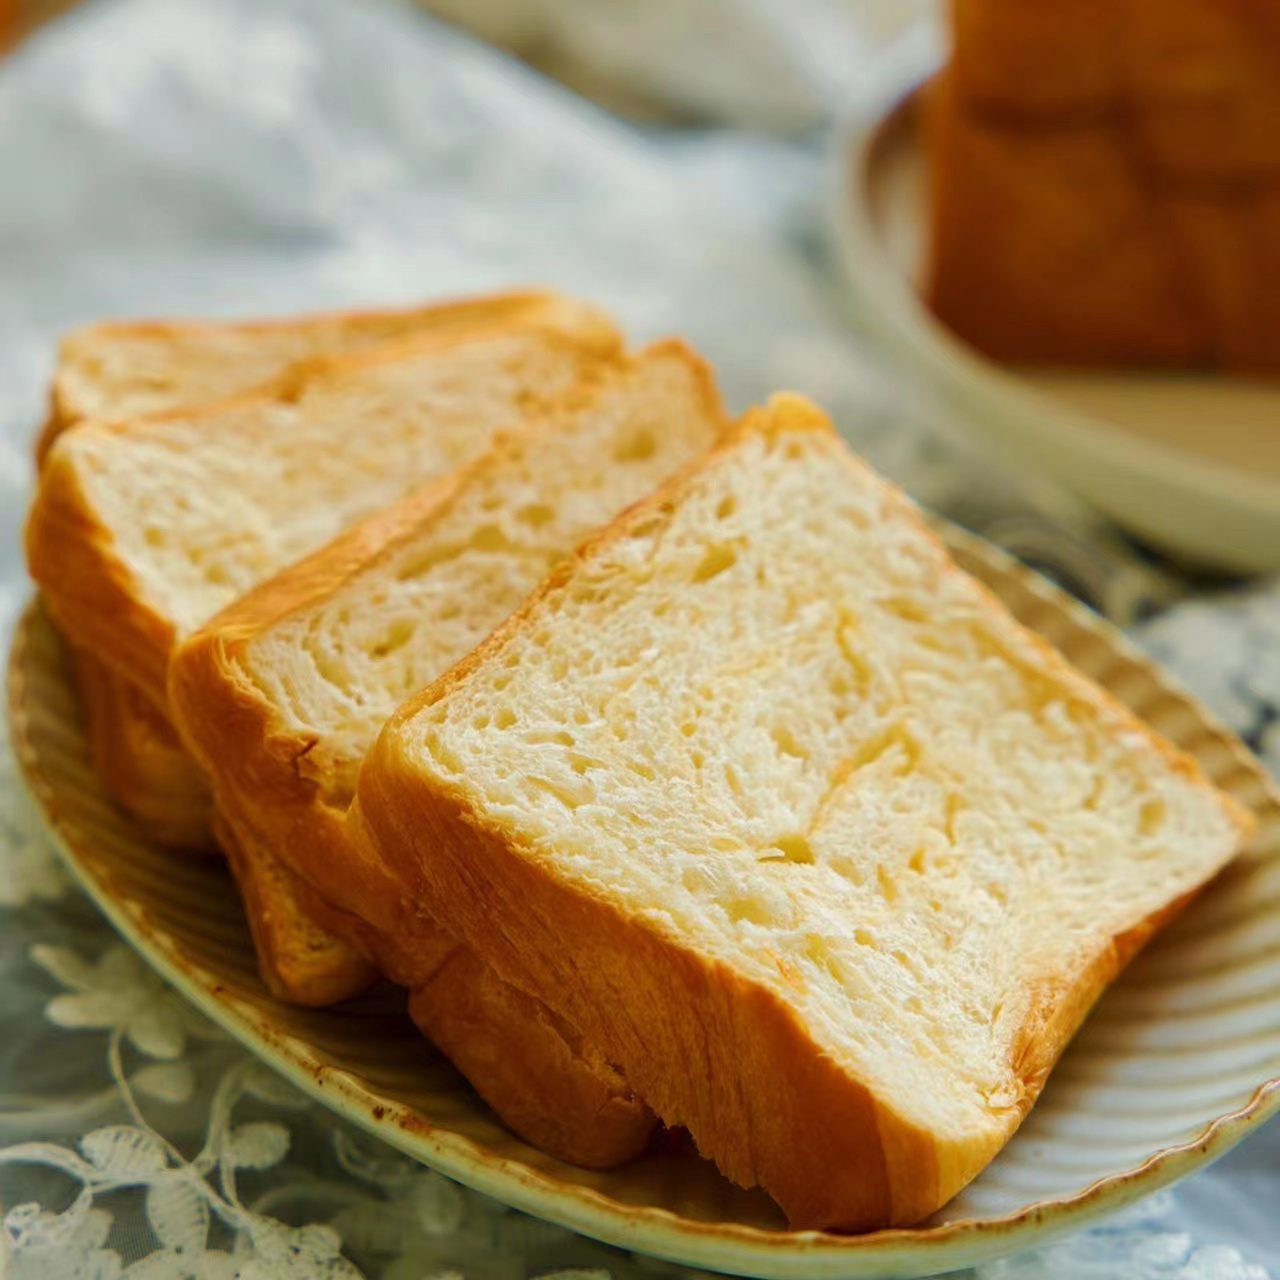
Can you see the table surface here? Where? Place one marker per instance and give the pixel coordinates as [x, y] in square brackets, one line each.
[259, 156]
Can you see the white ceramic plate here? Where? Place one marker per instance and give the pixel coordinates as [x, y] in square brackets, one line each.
[1188, 462]
[1178, 1063]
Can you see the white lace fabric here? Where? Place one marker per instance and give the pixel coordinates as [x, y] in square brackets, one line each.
[258, 156]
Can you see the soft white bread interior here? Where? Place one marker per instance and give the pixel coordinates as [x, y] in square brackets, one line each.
[113, 372]
[119, 370]
[281, 695]
[141, 531]
[790, 818]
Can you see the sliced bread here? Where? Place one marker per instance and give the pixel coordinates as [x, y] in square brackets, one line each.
[795, 823]
[281, 695]
[115, 372]
[141, 531]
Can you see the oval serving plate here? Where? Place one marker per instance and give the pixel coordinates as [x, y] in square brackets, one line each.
[1189, 461]
[1180, 1060]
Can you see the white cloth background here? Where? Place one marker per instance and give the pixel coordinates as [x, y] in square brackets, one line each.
[250, 156]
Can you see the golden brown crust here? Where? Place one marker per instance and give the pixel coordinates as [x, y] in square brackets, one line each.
[758, 1095]
[138, 755]
[304, 963]
[535, 1073]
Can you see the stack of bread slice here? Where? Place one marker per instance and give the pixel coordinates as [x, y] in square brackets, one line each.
[672, 768]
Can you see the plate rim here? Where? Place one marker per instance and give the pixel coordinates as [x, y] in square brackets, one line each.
[898, 318]
[735, 1248]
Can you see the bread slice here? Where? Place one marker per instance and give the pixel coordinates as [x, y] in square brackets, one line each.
[141, 531]
[123, 371]
[282, 694]
[789, 817]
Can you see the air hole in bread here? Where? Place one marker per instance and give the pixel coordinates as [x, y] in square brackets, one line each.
[786, 743]
[638, 448]
[791, 848]
[155, 537]
[916, 862]
[717, 558]
[907, 608]
[504, 719]
[536, 515]
[396, 636]
[688, 728]
[490, 538]
[443, 755]
[817, 951]
[749, 909]
[1151, 817]
[726, 507]
[895, 740]
[886, 884]
[570, 797]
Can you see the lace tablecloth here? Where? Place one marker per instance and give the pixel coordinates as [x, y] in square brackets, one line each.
[249, 156]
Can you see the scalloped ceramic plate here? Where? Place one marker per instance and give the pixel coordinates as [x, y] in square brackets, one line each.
[1190, 462]
[1179, 1061]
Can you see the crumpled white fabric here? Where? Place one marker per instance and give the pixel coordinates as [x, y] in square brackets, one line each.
[251, 156]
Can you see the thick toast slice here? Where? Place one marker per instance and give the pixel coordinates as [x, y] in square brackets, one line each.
[281, 695]
[790, 818]
[113, 372]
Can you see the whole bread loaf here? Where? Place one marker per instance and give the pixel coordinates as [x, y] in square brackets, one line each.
[1106, 182]
[794, 822]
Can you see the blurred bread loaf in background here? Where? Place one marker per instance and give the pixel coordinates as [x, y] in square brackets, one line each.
[1106, 182]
